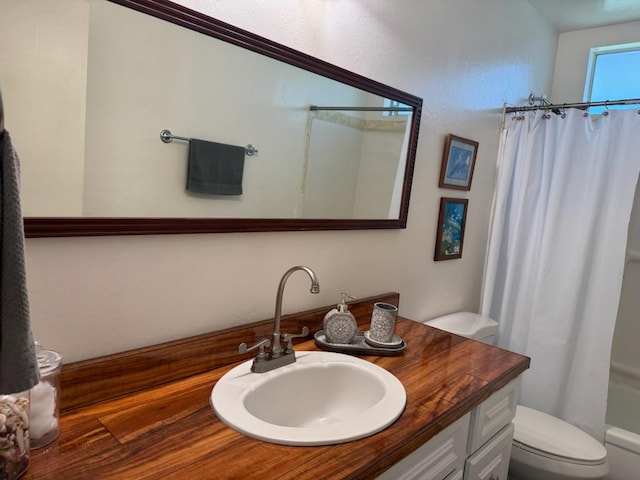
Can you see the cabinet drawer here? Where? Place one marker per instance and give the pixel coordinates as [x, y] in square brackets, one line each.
[440, 457]
[457, 475]
[493, 414]
[491, 462]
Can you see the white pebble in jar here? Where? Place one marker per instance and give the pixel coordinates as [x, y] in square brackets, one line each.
[14, 435]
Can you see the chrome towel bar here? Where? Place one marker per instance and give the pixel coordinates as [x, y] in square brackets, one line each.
[167, 137]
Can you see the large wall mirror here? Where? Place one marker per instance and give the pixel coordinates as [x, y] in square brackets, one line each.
[89, 86]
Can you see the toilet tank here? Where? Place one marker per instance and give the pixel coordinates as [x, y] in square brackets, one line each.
[467, 324]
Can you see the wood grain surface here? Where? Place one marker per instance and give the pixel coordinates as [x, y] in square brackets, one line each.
[169, 431]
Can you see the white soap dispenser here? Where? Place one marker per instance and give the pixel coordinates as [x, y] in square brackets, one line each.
[340, 325]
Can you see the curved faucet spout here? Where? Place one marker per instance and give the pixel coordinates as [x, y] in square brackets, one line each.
[276, 348]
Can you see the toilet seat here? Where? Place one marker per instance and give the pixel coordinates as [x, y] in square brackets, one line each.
[542, 434]
[556, 458]
[547, 448]
[526, 465]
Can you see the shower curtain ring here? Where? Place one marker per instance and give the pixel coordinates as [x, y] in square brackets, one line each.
[606, 107]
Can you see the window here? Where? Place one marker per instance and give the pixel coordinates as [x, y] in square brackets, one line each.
[613, 73]
[387, 103]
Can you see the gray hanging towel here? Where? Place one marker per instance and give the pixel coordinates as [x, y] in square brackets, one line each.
[215, 168]
[18, 363]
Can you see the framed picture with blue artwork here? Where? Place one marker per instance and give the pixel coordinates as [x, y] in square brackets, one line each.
[451, 222]
[458, 161]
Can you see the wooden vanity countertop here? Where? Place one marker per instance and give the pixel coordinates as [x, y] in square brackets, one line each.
[170, 431]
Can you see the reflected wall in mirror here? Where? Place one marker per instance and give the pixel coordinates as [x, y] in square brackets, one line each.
[93, 83]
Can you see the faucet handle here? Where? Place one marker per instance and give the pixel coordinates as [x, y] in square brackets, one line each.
[265, 342]
[288, 339]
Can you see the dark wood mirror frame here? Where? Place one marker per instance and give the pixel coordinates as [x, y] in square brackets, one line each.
[179, 15]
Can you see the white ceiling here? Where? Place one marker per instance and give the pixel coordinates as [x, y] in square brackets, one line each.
[567, 15]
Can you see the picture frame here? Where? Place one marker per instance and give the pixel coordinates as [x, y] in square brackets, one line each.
[451, 224]
[458, 162]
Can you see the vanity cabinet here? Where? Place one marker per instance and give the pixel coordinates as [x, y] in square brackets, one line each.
[493, 415]
[475, 447]
[491, 434]
[441, 458]
[491, 462]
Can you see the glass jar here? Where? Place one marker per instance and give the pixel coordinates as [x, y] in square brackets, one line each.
[14, 435]
[45, 399]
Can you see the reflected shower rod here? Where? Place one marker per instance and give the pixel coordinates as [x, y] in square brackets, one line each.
[315, 108]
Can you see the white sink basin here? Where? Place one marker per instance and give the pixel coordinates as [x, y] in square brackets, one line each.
[321, 399]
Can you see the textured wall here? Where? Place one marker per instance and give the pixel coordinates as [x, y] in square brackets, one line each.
[92, 296]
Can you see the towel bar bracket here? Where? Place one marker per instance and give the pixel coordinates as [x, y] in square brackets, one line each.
[251, 150]
[167, 137]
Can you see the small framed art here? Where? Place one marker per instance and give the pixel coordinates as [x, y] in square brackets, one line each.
[458, 161]
[451, 222]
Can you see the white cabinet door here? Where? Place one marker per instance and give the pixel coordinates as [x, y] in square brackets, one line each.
[457, 475]
[491, 462]
[442, 456]
[493, 415]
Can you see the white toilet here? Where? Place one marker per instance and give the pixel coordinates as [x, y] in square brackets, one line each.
[544, 447]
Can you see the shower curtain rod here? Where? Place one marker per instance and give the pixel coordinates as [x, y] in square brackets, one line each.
[581, 105]
[315, 108]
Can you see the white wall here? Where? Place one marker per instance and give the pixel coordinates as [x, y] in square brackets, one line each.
[381, 159]
[43, 75]
[352, 165]
[332, 166]
[92, 296]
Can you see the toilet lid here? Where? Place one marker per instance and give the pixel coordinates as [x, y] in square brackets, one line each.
[551, 435]
[466, 324]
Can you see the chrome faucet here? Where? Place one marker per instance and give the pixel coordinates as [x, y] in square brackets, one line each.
[278, 356]
[276, 348]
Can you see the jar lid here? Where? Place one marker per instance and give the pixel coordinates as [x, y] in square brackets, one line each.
[48, 360]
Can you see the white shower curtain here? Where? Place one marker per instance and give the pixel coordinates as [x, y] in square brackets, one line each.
[556, 253]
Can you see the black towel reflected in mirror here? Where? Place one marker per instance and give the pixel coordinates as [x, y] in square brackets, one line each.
[215, 168]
